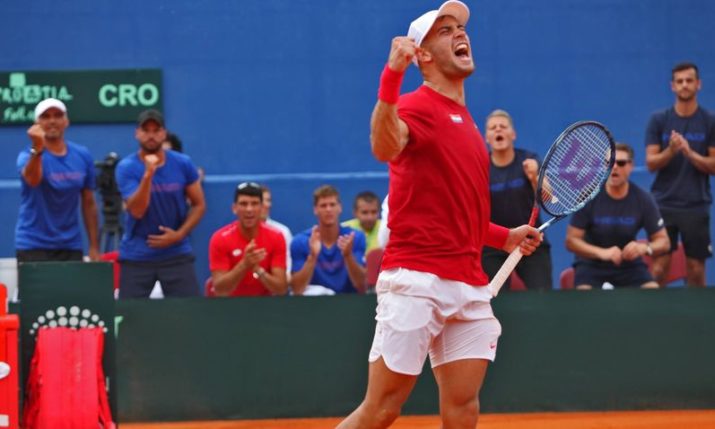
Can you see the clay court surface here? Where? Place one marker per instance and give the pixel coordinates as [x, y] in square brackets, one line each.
[698, 419]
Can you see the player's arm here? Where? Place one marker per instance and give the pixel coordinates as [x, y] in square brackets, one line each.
[576, 244]
[299, 279]
[224, 282]
[659, 242]
[195, 195]
[704, 164]
[32, 172]
[275, 280]
[91, 222]
[526, 237]
[531, 171]
[138, 202]
[388, 133]
[655, 158]
[356, 272]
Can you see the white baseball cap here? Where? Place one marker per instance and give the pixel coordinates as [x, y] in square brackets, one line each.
[49, 103]
[422, 25]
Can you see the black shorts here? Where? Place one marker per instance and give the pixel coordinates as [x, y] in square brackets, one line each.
[534, 270]
[630, 276]
[45, 255]
[693, 228]
[176, 275]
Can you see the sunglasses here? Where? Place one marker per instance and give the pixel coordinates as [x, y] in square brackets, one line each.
[622, 162]
[249, 185]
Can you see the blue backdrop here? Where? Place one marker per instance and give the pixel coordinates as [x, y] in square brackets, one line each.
[281, 91]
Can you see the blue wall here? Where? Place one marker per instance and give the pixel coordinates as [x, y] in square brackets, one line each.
[282, 91]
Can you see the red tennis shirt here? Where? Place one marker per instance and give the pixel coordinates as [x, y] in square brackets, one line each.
[439, 192]
[226, 250]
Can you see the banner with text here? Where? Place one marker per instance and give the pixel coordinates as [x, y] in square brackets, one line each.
[91, 96]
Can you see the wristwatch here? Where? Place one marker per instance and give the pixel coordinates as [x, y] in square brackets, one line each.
[649, 250]
[259, 273]
[35, 152]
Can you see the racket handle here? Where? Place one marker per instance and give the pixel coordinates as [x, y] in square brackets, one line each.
[505, 271]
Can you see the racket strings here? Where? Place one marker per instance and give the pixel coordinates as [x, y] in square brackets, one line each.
[576, 169]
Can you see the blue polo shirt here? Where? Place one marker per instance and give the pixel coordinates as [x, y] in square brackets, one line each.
[167, 207]
[49, 212]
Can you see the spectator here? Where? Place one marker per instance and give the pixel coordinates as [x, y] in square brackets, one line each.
[173, 142]
[57, 175]
[266, 217]
[365, 210]
[512, 180]
[603, 233]
[328, 254]
[247, 257]
[155, 185]
[680, 146]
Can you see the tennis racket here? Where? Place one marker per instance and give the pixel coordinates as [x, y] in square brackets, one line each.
[571, 175]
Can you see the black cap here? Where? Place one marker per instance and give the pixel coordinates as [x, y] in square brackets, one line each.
[151, 115]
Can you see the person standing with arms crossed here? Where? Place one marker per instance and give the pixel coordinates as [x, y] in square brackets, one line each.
[431, 293]
[680, 146]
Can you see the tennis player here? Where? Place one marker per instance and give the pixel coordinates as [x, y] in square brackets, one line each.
[431, 293]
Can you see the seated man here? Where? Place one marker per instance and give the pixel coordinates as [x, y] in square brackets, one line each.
[328, 254]
[365, 209]
[603, 233]
[247, 257]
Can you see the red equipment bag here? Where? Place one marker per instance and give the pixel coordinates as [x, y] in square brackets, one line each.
[66, 389]
[9, 368]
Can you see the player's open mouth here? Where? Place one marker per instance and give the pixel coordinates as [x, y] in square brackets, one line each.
[499, 138]
[462, 50]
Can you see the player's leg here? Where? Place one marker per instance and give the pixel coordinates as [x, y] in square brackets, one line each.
[695, 272]
[536, 270]
[136, 279]
[178, 277]
[461, 353]
[387, 391]
[587, 277]
[695, 228]
[660, 266]
[459, 384]
[406, 324]
[635, 276]
[460, 356]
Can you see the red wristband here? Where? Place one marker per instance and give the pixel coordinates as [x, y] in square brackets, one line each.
[390, 83]
[496, 236]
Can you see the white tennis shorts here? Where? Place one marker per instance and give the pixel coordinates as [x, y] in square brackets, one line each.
[419, 312]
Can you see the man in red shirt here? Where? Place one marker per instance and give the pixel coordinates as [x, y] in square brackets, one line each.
[246, 257]
[432, 297]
